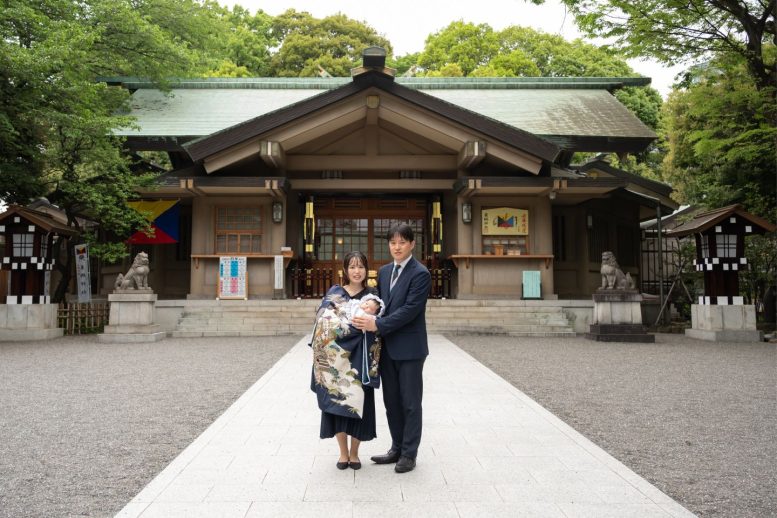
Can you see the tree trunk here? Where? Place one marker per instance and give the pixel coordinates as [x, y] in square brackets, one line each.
[66, 271]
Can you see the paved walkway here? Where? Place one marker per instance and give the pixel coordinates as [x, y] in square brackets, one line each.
[487, 450]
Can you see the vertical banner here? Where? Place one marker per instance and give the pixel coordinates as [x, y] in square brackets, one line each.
[280, 272]
[83, 277]
[232, 278]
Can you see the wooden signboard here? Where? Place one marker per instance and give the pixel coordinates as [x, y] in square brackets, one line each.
[505, 221]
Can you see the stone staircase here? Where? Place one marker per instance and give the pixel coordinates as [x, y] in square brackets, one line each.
[247, 318]
[497, 317]
[295, 317]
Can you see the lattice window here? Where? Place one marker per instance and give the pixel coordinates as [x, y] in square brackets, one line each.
[726, 245]
[350, 235]
[705, 246]
[23, 245]
[380, 245]
[238, 230]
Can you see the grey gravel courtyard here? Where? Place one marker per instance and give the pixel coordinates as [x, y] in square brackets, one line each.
[696, 419]
[84, 426]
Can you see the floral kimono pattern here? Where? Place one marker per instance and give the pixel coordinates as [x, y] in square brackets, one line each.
[345, 359]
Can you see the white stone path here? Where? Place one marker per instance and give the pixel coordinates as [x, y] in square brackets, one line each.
[487, 450]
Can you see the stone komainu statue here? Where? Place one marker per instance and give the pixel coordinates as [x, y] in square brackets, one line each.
[137, 275]
[613, 277]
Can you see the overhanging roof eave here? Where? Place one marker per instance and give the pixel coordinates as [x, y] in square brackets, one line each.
[509, 135]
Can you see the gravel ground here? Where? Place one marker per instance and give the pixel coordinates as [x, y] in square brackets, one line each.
[84, 426]
[697, 419]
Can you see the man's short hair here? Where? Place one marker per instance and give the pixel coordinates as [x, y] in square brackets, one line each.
[402, 230]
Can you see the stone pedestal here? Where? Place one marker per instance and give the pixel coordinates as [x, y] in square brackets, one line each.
[618, 317]
[720, 323]
[131, 318]
[29, 322]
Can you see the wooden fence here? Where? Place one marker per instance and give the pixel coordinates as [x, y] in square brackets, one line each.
[313, 283]
[81, 319]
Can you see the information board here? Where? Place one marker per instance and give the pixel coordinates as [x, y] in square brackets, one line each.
[233, 278]
[505, 221]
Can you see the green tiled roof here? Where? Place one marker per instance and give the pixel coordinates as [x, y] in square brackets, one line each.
[566, 107]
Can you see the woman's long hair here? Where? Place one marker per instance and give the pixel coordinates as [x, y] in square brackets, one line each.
[347, 261]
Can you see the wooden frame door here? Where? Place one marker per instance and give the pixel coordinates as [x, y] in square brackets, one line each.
[344, 225]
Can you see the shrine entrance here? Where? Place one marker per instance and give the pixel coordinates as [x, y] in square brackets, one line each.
[347, 224]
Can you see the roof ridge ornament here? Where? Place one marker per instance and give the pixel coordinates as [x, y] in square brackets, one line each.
[374, 60]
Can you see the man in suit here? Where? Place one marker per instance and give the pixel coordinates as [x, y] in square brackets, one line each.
[404, 287]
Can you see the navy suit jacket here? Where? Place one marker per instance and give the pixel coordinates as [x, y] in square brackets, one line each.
[403, 325]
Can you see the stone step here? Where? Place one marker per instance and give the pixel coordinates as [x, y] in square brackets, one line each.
[533, 319]
[244, 320]
[457, 310]
[295, 317]
[499, 329]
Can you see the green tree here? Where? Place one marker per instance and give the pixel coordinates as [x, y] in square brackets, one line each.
[57, 120]
[468, 45]
[722, 140]
[690, 31]
[245, 44]
[477, 50]
[308, 45]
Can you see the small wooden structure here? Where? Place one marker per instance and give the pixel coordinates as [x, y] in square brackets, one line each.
[721, 313]
[720, 249]
[27, 254]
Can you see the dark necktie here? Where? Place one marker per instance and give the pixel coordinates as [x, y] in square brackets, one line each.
[395, 274]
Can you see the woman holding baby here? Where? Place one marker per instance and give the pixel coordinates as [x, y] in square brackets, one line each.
[345, 362]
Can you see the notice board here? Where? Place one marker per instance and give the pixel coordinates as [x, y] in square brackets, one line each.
[233, 278]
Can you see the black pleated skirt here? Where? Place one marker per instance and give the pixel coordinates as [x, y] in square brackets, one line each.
[362, 429]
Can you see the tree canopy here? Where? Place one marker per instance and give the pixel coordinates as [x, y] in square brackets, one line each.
[466, 49]
[690, 31]
[310, 46]
[57, 120]
[721, 139]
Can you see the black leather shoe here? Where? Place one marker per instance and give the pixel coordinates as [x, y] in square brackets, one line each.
[390, 457]
[404, 464]
[342, 465]
[355, 465]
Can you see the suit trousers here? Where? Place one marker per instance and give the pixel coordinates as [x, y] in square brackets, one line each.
[403, 387]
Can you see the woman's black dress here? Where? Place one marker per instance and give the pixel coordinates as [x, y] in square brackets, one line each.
[362, 429]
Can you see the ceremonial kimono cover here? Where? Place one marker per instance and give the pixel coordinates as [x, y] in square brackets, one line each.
[344, 358]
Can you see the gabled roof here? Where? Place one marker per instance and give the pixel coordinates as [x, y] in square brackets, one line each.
[249, 129]
[706, 220]
[604, 166]
[37, 218]
[576, 114]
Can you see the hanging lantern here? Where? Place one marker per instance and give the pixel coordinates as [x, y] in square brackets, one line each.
[436, 227]
[310, 226]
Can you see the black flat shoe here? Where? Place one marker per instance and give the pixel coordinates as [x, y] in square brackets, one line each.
[355, 465]
[404, 464]
[390, 457]
[342, 465]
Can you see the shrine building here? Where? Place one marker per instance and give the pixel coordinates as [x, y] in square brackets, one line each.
[309, 169]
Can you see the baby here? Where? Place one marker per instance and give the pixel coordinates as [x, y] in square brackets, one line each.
[369, 306]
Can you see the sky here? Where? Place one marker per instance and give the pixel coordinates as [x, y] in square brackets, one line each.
[407, 23]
